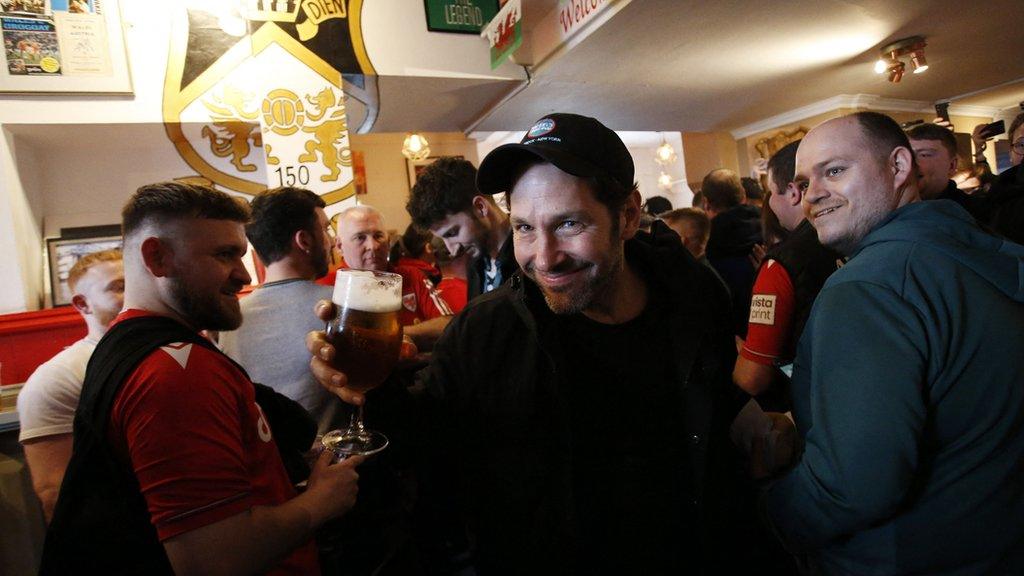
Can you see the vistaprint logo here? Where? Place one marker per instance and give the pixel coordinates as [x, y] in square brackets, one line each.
[541, 128]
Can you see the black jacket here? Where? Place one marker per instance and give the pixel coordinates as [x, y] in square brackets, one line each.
[808, 265]
[506, 263]
[733, 235]
[496, 393]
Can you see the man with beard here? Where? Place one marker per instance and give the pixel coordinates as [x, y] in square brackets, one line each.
[445, 200]
[907, 382]
[291, 234]
[582, 407]
[46, 405]
[175, 467]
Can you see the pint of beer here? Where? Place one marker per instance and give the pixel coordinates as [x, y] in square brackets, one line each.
[366, 334]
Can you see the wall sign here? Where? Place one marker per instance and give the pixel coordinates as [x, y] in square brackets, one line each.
[75, 47]
[461, 16]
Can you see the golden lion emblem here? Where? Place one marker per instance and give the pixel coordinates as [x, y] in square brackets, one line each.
[325, 120]
[233, 127]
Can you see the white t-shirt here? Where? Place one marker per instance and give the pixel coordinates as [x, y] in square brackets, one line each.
[47, 402]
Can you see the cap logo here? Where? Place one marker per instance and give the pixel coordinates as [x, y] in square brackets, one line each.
[541, 128]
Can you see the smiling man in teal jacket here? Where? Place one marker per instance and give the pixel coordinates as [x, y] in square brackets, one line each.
[909, 380]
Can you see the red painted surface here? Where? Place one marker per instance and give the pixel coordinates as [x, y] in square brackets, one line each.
[27, 339]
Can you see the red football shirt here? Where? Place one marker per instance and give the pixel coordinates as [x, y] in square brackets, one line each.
[771, 316]
[421, 300]
[188, 422]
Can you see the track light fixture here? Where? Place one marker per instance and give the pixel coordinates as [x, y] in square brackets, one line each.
[890, 62]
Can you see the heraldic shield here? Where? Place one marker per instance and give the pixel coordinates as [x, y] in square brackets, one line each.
[268, 108]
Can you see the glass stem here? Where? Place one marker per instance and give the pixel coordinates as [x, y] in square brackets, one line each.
[356, 425]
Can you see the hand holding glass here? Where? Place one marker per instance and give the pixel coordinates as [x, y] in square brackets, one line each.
[367, 338]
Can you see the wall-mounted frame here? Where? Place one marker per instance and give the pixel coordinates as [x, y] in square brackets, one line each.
[89, 48]
[415, 167]
[62, 253]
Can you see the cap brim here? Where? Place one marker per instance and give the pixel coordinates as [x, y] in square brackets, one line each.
[498, 167]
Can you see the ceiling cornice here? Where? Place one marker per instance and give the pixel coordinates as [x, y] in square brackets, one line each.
[866, 101]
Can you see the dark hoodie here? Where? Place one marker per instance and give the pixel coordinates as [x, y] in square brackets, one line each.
[498, 394]
[733, 235]
[909, 393]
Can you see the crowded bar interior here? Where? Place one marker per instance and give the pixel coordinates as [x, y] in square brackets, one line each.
[868, 432]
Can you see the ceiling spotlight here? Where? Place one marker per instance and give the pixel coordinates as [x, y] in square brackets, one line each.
[896, 70]
[917, 59]
[890, 58]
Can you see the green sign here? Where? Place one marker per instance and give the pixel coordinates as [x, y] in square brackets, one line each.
[462, 16]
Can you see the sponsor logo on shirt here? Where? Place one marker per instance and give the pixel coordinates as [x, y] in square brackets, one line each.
[179, 351]
[262, 428]
[409, 301]
[762, 309]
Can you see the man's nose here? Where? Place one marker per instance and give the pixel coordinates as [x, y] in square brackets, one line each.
[548, 252]
[240, 274]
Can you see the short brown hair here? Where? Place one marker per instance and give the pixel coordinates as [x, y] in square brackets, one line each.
[692, 216]
[722, 189]
[782, 166]
[169, 201]
[88, 261]
[1017, 122]
[934, 132]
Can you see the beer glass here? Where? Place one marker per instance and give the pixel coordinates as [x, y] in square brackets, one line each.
[367, 337]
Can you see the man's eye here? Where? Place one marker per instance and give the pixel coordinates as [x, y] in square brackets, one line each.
[523, 228]
[802, 186]
[833, 172]
[570, 225]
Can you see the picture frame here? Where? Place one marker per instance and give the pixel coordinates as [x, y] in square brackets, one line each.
[63, 253]
[93, 53]
[415, 167]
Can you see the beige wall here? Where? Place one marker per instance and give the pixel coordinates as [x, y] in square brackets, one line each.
[961, 123]
[706, 151]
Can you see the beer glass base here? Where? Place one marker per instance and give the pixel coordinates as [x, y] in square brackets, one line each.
[345, 443]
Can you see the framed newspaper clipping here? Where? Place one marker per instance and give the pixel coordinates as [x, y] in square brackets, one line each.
[63, 253]
[63, 46]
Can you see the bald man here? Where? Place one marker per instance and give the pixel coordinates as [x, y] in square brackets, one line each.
[907, 382]
[363, 242]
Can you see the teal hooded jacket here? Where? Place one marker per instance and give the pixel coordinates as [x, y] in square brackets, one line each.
[909, 396]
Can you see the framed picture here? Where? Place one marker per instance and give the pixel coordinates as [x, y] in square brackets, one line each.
[78, 46]
[63, 253]
[415, 167]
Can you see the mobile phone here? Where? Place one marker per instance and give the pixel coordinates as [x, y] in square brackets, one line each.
[942, 110]
[992, 130]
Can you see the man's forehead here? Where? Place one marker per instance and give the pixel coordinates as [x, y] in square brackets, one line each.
[833, 138]
[362, 222]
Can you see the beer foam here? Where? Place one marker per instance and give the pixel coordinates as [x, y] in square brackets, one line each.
[368, 291]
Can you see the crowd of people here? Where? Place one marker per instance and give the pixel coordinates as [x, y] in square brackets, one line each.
[822, 376]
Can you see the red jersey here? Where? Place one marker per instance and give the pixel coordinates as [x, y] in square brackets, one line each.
[188, 423]
[455, 292]
[771, 316]
[421, 300]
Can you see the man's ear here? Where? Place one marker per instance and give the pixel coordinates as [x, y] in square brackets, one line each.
[954, 164]
[158, 256]
[629, 216]
[901, 160]
[303, 240]
[481, 207]
[80, 303]
[793, 194]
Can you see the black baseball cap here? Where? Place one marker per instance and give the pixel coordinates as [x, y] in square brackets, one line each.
[575, 144]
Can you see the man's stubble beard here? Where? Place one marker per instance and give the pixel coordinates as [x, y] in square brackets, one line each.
[204, 313]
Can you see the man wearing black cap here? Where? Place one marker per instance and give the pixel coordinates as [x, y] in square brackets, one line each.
[583, 407]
